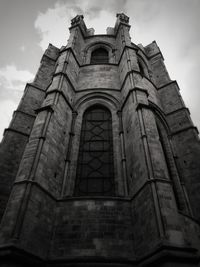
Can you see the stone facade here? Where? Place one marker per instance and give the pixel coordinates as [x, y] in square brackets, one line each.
[153, 217]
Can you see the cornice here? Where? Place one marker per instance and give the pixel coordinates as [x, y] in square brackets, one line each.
[16, 131]
[167, 84]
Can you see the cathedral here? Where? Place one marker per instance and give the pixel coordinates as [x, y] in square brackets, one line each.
[100, 163]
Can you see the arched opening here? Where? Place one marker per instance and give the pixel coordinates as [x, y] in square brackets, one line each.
[179, 192]
[95, 170]
[99, 55]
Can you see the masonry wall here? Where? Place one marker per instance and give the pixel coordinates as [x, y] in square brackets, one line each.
[185, 140]
[155, 153]
[93, 228]
[16, 136]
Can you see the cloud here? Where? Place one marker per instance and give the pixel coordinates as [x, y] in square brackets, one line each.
[93, 9]
[22, 48]
[6, 109]
[12, 84]
[13, 79]
[52, 24]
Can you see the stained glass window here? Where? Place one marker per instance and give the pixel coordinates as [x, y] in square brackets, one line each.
[95, 172]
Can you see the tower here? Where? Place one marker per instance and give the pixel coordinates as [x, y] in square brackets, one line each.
[100, 163]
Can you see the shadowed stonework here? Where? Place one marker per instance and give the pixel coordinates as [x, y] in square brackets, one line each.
[100, 163]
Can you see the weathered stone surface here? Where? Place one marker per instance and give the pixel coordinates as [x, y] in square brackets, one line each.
[91, 228]
[98, 76]
[152, 219]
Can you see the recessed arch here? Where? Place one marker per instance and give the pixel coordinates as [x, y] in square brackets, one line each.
[97, 97]
[82, 104]
[95, 166]
[165, 140]
[99, 45]
[159, 114]
[143, 67]
[95, 45]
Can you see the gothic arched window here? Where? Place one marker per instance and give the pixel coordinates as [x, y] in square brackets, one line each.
[99, 55]
[95, 171]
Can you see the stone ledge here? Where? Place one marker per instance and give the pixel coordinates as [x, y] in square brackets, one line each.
[35, 86]
[72, 51]
[72, 198]
[135, 72]
[169, 83]
[47, 56]
[98, 90]
[63, 95]
[94, 261]
[177, 110]
[147, 182]
[163, 254]
[185, 129]
[158, 53]
[10, 254]
[167, 253]
[134, 90]
[67, 78]
[93, 198]
[24, 113]
[50, 107]
[36, 184]
[16, 131]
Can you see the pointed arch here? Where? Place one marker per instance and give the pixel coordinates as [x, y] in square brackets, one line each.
[95, 169]
[164, 139]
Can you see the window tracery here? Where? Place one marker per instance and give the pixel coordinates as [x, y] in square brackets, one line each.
[95, 171]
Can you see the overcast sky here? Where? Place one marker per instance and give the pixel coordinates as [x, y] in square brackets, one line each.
[27, 27]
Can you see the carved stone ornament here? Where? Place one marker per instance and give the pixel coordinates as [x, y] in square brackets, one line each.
[123, 18]
[76, 20]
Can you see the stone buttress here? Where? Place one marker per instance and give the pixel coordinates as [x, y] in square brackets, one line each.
[151, 218]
